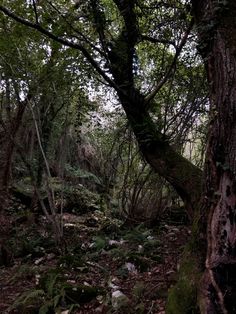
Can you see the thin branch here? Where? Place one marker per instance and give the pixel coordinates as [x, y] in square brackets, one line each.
[35, 13]
[183, 41]
[158, 40]
[51, 196]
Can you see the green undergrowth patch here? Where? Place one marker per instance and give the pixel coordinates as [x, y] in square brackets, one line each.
[24, 272]
[130, 245]
[54, 294]
[30, 243]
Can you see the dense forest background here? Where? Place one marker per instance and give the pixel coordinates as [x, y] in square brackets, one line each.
[105, 108]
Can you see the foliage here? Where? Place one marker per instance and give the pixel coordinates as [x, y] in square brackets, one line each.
[30, 243]
[30, 300]
[25, 271]
[81, 174]
[137, 236]
[54, 294]
[79, 199]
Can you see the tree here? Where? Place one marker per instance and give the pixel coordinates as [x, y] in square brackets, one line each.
[216, 26]
[109, 35]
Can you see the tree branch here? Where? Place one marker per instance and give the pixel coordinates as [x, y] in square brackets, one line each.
[88, 41]
[36, 13]
[64, 42]
[183, 41]
[158, 41]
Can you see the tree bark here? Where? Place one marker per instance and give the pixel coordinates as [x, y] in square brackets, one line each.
[216, 26]
[7, 151]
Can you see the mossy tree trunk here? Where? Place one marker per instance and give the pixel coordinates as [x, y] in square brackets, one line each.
[216, 26]
[177, 170]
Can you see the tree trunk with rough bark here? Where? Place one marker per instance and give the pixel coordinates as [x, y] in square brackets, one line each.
[7, 143]
[216, 26]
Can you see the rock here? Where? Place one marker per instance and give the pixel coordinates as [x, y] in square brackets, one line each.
[39, 260]
[140, 249]
[175, 229]
[119, 300]
[116, 243]
[50, 256]
[131, 268]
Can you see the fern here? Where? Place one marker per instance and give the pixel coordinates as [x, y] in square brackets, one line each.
[26, 298]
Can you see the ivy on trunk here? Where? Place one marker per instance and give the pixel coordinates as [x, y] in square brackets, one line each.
[216, 26]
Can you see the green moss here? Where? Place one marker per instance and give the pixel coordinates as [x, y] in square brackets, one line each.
[182, 298]
[138, 290]
[70, 260]
[79, 294]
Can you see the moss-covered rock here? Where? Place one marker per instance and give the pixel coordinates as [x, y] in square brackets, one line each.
[120, 301]
[79, 294]
[70, 260]
[77, 200]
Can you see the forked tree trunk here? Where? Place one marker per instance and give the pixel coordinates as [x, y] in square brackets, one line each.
[216, 25]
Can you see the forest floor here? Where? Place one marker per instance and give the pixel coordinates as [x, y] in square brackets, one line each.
[102, 267]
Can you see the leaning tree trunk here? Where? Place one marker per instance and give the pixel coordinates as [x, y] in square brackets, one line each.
[216, 25]
[177, 170]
